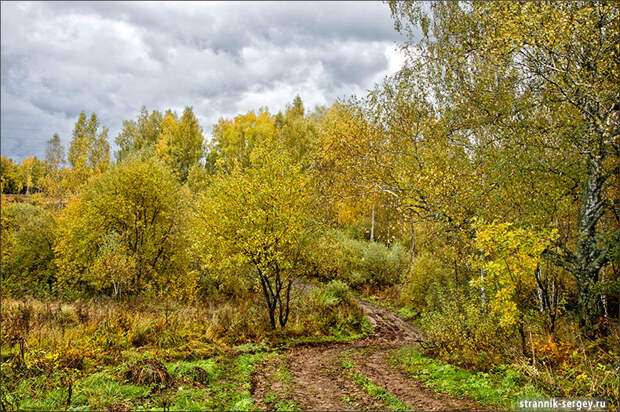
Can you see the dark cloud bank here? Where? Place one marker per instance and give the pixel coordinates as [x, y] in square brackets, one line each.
[221, 58]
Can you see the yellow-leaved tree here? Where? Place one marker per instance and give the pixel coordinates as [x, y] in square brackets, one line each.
[126, 232]
[180, 142]
[508, 261]
[89, 150]
[254, 222]
[139, 134]
[530, 91]
[236, 138]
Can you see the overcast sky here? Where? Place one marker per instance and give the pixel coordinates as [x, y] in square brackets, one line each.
[220, 58]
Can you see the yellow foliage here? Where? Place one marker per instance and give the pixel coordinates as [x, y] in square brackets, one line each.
[508, 259]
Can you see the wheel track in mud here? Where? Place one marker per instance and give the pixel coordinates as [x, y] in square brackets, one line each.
[318, 381]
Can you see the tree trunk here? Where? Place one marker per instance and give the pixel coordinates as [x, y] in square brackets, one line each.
[273, 296]
[590, 259]
[115, 287]
[271, 306]
[483, 296]
[372, 224]
[604, 301]
[555, 296]
[285, 308]
[539, 296]
[522, 335]
[59, 194]
[412, 261]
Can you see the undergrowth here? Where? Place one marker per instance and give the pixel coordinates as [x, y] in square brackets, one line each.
[58, 355]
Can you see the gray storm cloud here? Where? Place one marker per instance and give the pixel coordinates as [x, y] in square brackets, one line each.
[220, 58]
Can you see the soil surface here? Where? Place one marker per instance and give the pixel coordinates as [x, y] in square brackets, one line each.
[314, 377]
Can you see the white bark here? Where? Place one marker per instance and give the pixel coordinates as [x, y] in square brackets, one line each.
[372, 224]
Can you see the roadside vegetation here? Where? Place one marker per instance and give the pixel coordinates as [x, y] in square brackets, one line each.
[500, 387]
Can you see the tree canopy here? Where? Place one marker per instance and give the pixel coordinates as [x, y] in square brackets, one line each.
[127, 230]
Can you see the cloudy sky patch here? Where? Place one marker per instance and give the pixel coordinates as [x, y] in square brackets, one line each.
[222, 59]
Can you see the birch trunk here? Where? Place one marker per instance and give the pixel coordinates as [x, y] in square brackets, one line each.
[372, 224]
[590, 259]
[412, 261]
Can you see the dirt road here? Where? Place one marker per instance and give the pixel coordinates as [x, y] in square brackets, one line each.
[332, 376]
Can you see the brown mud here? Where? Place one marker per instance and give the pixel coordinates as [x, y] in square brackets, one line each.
[312, 377]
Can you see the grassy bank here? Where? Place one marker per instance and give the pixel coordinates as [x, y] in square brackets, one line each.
[499, 389]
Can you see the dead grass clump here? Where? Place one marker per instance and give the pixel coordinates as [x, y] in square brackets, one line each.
[148, 372]
[200, 375]
[81, 312]
[119, 407]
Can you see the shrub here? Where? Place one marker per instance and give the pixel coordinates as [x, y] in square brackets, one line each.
[357, 262]
[463, 334]
[421, 286]
[380, 264]
[233, 283]
[338, 289]
[28, 235]
[16, 325]
[126, 233]
[328, 311]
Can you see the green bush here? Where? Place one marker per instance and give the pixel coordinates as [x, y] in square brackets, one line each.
[126, 233]
[463, 334]
[232, 282]
[458, 325]
[379, 264]
[359, 263]
[338, 289]
[328, 311]
[28, 236]
[428, 277]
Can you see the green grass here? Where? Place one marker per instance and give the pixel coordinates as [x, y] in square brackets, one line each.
[187, 369]
[283, 375]
[379, 392]
[279, 404]
[271, 397]
[252, 347]
[189, 399]
[334, 338]
[284, 405]
[407, 313]
[231, 389]
[502, 388]
[223, 384]
[96, 391]
[100, 389]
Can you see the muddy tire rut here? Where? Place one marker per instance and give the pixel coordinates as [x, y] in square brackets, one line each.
[316, 379]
